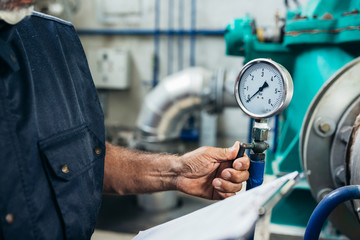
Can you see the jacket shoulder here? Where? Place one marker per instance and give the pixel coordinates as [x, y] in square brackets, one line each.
[38, 15]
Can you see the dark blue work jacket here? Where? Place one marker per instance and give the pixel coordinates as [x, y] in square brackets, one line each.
[52, 142]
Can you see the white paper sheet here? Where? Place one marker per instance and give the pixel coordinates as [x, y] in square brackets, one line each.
[232, 218]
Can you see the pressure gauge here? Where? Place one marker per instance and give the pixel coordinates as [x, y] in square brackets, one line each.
[263, 88]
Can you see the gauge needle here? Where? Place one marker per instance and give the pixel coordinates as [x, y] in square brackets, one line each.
[265, 85]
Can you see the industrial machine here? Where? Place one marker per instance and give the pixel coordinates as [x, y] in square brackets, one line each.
[319, 44]
[317, 133]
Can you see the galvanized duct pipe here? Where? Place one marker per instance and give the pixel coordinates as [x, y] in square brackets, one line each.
[169, 104]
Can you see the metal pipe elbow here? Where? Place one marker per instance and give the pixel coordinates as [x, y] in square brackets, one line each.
[170, 103]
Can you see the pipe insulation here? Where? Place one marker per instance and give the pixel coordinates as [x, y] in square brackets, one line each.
[167, 106]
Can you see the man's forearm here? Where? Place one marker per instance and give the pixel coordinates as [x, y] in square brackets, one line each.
[132, 172]
[206, 172]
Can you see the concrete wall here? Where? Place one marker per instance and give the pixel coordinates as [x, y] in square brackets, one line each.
[123, 106]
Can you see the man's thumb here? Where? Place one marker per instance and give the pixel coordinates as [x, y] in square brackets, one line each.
[231, 152]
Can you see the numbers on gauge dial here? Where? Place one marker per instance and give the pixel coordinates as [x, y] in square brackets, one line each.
[261, 89]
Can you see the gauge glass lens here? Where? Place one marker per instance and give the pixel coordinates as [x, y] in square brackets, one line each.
[261, 89]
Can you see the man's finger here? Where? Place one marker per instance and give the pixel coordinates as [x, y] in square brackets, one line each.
[221, 195]
[224, 186]
[232, 175]
[242, 163]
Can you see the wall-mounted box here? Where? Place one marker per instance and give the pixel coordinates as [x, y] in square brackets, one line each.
[109, 68]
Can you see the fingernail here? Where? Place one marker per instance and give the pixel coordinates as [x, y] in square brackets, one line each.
[217, 183]
[238, 165]
[227, 175]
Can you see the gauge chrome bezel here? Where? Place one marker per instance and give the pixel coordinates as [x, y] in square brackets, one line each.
[287, 89]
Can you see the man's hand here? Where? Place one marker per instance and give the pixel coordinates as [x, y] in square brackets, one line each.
[211, 172]
[205, 172]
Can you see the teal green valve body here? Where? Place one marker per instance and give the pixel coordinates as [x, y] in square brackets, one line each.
[315, 41]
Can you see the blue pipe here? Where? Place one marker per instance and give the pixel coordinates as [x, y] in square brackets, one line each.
[156, 43]
[143, 32]
[170, 37]
[180, 36]
[192, 33]
[251, 125]
[326, 206]
[276, 134]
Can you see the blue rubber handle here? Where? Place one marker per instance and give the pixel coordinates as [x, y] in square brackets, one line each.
[256, 171]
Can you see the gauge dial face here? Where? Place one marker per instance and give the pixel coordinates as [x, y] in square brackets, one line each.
[261, 88]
